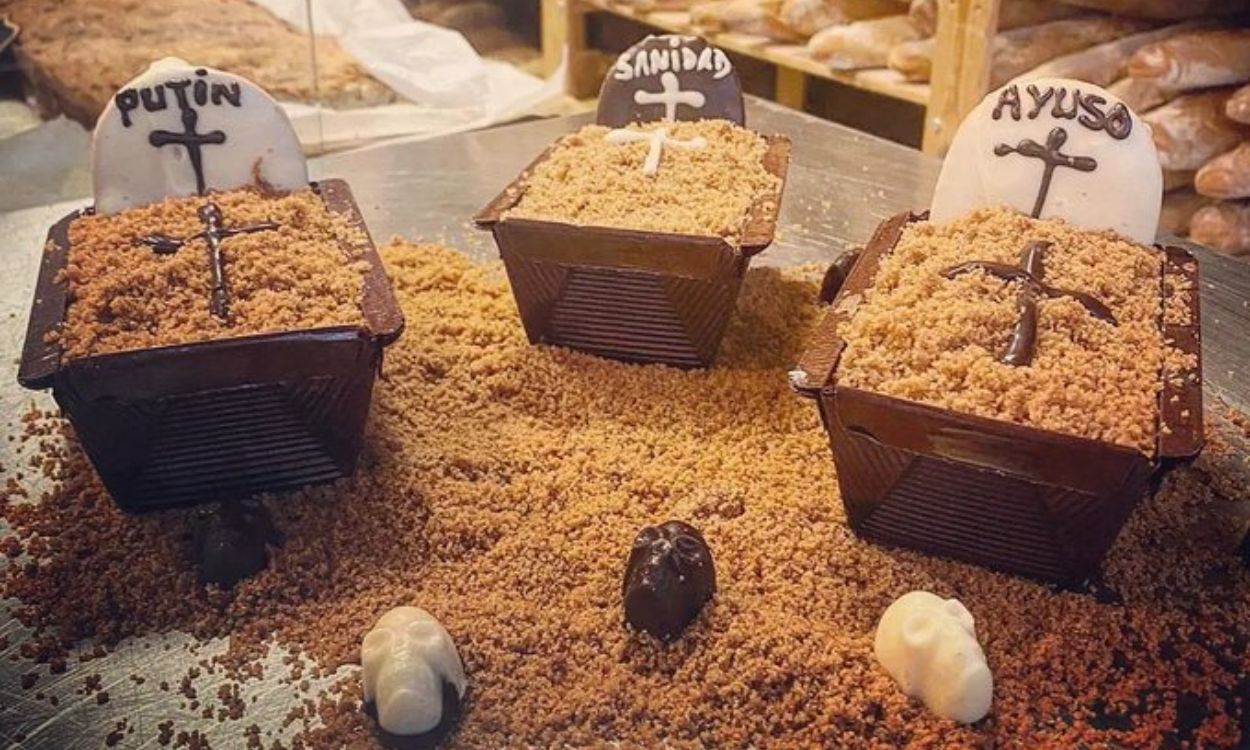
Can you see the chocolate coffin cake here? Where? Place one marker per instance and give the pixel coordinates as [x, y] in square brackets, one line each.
[630, 238]
[1003, 389]
[212, 326]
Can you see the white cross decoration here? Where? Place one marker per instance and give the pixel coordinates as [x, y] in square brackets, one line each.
[658, 139]
[670, 96]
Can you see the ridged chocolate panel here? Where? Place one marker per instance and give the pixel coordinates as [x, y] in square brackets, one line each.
[623, 314]
[234, 443]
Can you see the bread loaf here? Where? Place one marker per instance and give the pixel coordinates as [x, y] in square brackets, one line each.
[1198, 59]
[1191, 130]
[1019, 50]
[1012, 14]
[1104, 63]
[651, 6]
[758, 17]
[863, 44]
[1164, 9]
[1227, 175]
[1141, 94]
[1223, 226]
[1178, 208]
[78, 53]
[807, 17]
[1238, 105]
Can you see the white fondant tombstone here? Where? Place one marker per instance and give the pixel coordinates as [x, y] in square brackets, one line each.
[670, 77]
[180, 129]
[1055, 148]
[929, 646]
[409, 660]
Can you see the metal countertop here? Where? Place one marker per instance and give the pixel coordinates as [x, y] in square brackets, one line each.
[841, 184]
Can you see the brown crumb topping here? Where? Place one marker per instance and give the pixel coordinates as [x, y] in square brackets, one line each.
[702, 191]
[501, 487]
[922, 337]
[125, 296]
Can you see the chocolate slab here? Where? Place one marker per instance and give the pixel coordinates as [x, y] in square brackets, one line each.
[1009, 497]
[222, 419]
[671, 77]
[626, 294]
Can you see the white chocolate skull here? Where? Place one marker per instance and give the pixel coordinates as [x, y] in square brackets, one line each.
[929, 646]
[408, 661]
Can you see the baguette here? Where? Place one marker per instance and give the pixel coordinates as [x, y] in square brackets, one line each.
[1227, 175]
[1175, 179]
[1238, 105]
[756, 17]
[649, 6]
[1164, 10]
[1199, 59]
[1223, 226]
[1178, 209]
[1192, 129]
[863, 44]
[1104, 63]
[78, 53]
[1021, 49]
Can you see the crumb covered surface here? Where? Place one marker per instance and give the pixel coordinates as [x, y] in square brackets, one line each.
[501, 488]
[702, 191]
[123, 295]
[920, 336]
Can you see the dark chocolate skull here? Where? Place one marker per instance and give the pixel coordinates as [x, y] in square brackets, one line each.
[668, 579]
[671, 77]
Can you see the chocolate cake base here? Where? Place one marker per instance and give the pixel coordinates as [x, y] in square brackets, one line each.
[222, 419]
[625, 294]
[1018, 499]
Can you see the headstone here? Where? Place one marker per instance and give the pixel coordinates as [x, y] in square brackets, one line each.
[671, 77]
[1055, 148]
[180, 129]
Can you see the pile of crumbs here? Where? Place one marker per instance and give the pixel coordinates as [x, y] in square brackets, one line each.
[124, 296]
[501, 489]
[920, 336]
[708, 191]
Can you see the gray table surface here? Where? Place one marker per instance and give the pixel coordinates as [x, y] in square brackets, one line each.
[841, 184]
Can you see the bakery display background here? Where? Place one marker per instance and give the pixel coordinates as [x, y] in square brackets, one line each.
[464, 171]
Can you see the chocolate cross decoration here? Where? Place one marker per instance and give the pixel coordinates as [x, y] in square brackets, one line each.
[1023, 342]
[213, 234]
[1052, 157]
[191, 140]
